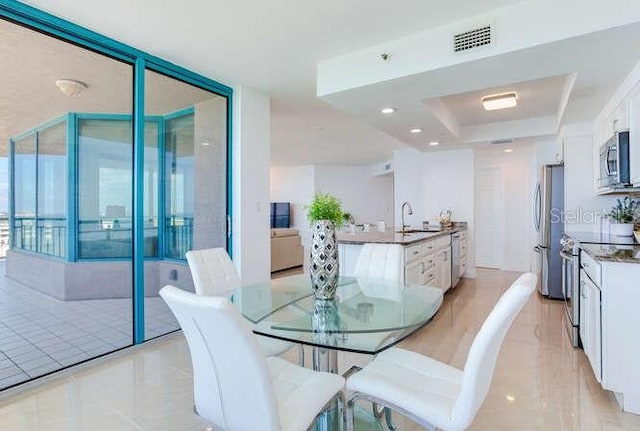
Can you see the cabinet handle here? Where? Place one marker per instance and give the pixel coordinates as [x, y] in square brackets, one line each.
[422, 264]
[416, 252]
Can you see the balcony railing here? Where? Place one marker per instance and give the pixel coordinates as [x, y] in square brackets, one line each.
[4, 236]
[97, 238]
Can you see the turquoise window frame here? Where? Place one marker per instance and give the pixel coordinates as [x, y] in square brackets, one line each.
[22, 14]
[74, 143]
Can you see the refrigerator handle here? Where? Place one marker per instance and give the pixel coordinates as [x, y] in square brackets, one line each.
[537, 205]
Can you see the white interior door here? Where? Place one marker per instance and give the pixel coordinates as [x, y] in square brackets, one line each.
[489, 216]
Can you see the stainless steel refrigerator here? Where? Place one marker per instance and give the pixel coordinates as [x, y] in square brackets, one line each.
[548, 219]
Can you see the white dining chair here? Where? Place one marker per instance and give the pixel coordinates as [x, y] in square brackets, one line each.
[214, 274]
[380, 262]
[434, 394]
[235, 387]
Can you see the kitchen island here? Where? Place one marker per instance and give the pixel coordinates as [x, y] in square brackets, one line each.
[427, 257]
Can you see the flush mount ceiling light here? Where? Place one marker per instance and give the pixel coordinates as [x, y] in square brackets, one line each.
[70, 87]
[416, 130]
[500, 101]
[388, 110]
[434, 143]
[508, 150]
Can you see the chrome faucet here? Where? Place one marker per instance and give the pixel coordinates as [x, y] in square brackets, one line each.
[405, 204]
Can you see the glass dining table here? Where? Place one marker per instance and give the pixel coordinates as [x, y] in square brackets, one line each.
[367, 316]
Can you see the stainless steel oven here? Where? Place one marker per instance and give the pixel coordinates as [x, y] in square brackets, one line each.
[570, 254]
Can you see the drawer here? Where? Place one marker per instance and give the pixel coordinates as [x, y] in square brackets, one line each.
[429, 276]
[429, 260]
[428, 247]
[413, 253]
[443, 242]
[591, 267]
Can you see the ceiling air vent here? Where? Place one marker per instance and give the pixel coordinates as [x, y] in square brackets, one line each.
[502, 141]
[471, 39]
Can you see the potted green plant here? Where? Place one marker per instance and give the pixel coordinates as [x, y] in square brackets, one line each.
[623, 215]
[325, 215]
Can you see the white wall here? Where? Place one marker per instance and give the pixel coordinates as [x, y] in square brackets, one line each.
[513, 220]
[366, 197]
[583, 208]
[434, 181]
[295, 185]
[250, 206]
[408, 165]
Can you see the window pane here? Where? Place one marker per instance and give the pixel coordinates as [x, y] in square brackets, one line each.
[57, 311]
[52, 190]
[105, 179]
[193, 183]
[24, 192]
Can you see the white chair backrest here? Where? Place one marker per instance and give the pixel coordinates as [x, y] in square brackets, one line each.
[381, 262]
[481, 361]
[213, 271]
[232, 383]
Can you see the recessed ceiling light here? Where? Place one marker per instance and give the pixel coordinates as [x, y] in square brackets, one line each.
[434, 143]
[206, 144]
[500, 101]
[388, 110]
[508, 150]
[416, 130]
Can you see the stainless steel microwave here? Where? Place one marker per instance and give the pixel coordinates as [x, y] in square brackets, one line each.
[614, 161]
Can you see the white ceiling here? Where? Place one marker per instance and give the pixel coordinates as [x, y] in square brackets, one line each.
[442, 100]
[275, 46]
[33, 62]
[537, 98]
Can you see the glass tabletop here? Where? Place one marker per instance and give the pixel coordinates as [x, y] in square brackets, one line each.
[367, 316]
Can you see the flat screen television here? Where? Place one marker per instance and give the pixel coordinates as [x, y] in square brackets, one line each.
[280, 214]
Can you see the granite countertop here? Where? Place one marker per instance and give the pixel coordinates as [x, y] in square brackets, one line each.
[392, 237]
[613, 252]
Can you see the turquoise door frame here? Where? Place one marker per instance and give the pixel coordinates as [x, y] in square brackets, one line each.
[22, 14]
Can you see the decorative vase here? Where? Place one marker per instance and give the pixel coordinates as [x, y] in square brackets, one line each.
[621, 229]
[324, 265]
[325, 316]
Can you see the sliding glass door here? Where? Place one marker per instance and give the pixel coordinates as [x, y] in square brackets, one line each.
[65, 282]
[190, 153]
[113, 165]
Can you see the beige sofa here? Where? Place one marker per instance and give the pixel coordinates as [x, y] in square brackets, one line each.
[286, 249]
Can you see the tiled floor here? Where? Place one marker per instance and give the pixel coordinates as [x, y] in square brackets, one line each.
[540, 383]
[40, 334]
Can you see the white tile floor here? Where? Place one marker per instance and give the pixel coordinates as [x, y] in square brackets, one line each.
[540, 382]
[40, 334]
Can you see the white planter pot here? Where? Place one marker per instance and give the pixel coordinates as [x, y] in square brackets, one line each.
[621, 229]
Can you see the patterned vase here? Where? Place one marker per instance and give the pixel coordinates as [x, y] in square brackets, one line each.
[324, 260]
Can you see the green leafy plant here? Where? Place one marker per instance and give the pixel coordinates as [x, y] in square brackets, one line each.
[348, 218]
[325, 207]
[625, 210]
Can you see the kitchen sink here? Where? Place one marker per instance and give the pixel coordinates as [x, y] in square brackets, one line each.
[418, 230]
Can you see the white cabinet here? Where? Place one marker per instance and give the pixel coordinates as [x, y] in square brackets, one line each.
[634, 135]
[413, 273]
[348, 256]
[590, 323]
